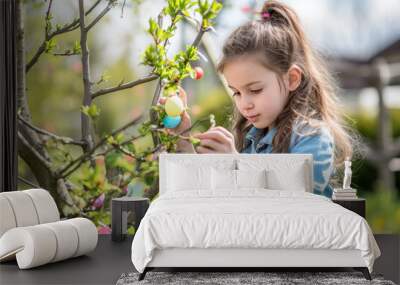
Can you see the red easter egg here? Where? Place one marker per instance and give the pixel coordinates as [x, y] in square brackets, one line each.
[198, 73]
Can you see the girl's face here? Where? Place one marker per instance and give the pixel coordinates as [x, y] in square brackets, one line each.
[256, 90]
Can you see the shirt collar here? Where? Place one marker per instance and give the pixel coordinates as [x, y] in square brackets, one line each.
[266, 139]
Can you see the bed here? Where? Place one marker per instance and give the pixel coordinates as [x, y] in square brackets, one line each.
[247, 210]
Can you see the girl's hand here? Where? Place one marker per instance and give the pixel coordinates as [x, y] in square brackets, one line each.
[216, 140]
[186, 122]
[183, 145]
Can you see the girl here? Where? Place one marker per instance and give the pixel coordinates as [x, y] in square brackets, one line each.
[284, 97]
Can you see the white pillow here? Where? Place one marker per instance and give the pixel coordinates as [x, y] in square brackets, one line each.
[284, 171]
[295, 181]
[223, 179]
[184, 177]
[230, 179]
[251, 178]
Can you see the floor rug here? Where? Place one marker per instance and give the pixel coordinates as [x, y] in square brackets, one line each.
[230, 278]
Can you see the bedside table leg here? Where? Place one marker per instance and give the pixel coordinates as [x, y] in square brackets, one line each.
[116, 222]
[140, 211]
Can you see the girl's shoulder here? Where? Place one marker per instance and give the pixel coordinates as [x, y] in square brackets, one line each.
[311, 134]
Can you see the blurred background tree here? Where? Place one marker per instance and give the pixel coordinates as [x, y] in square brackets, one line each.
[84, 174]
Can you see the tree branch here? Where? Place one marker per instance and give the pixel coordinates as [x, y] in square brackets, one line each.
[85, 157]
[200, 34]
[65, 140]
[62, 191]
[157, 92]
[129, 140]
[48, 10]
[82, 158]
[124, 151]
[35, 152]
[207, 45]
[124, 127]
[65, 29]
[87, 97]
[131, 84]
[28, 182]
[67, 53]
[92, 8]
[101, 15]
[156, 97]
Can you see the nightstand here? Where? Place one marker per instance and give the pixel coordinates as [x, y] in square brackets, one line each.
[120, 208]
[356, 205]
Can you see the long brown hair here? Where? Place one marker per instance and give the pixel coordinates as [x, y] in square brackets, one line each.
[281, 42]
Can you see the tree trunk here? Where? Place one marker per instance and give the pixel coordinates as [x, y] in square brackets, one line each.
[385, 140]
[30, 147]
[87, 84]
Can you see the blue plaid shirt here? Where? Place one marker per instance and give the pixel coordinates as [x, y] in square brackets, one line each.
[319, 144]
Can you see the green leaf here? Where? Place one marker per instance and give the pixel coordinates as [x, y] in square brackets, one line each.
[85, 110]
[153, 27]
[111, 158]
[91, 111]
[144, 129]
[154, 55]
[208, 11]
[131, 147]
[111, 140]
[165, 35]
[49, 45]
[131, 230]
[120, 138]
[94, 111]
[77, 48]
[104, 78]
[216, 7]
[49, 17]
[191, 53]
[149, 178]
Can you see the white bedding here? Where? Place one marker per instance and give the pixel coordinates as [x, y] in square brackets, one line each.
[251, 218]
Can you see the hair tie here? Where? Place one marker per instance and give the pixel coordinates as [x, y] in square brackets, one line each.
[265, 16]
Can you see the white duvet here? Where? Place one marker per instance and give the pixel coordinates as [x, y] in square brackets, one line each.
[253, 218]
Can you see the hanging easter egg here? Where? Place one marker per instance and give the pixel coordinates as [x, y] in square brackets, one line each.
[198, 73]
[171, 122]
[174, 106]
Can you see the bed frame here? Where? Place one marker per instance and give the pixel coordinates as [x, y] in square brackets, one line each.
[241, 259]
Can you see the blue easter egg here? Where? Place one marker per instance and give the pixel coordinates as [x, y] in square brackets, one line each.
[171, 122]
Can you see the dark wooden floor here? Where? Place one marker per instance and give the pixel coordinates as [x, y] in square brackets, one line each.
[111, 259]
[102, 266]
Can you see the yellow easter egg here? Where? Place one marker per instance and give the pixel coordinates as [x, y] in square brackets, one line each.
[174, 106]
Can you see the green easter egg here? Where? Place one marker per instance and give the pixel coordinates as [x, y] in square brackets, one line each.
[174, 106]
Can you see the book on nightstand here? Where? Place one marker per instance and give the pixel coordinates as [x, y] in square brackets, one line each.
[344, 194]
